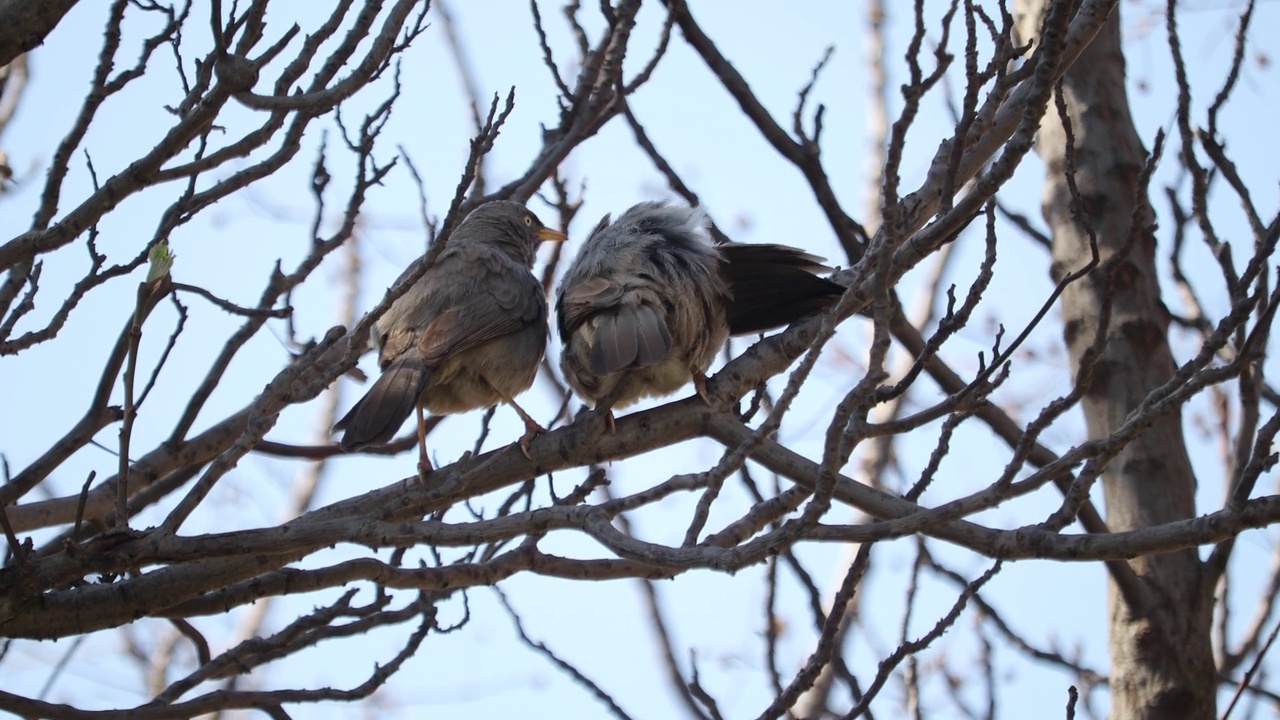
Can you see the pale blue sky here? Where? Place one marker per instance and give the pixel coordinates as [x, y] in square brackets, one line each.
[484, 671]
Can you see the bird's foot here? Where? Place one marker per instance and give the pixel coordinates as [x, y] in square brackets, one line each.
[424, 468]
[604, 412]
[700, 386]
[531, 430]
[531, 427]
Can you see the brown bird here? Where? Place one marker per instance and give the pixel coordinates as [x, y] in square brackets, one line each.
[468, 334]
[651, 298]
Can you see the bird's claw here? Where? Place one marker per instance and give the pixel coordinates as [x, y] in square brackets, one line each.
[700, 386]
[531, 431]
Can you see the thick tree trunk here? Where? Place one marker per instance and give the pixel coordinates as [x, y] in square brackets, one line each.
[1161, 660]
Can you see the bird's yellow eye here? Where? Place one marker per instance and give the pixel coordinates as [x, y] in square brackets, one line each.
[528, 220]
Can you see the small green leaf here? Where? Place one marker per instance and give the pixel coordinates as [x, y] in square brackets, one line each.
[161, 260]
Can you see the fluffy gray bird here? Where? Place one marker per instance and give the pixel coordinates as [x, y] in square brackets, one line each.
[651, 298]
[468, 334]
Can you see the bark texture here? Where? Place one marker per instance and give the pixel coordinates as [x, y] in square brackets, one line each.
[1161, 660]
[24, 24]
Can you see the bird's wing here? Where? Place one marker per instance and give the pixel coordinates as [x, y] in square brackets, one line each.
[629, 336]
[628, 331]
[580, 300]
[502, 304]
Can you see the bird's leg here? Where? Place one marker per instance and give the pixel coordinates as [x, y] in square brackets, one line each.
[531, 427]
[700, 385]
[604, 407]
[424, 464]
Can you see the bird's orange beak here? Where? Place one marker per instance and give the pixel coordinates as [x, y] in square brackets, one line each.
[546, 234]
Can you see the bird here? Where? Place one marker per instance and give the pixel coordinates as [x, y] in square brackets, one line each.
[651, 298]
[468, 334]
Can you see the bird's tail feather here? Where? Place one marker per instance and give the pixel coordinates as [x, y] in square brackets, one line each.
[376, 417]
[774, 285]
